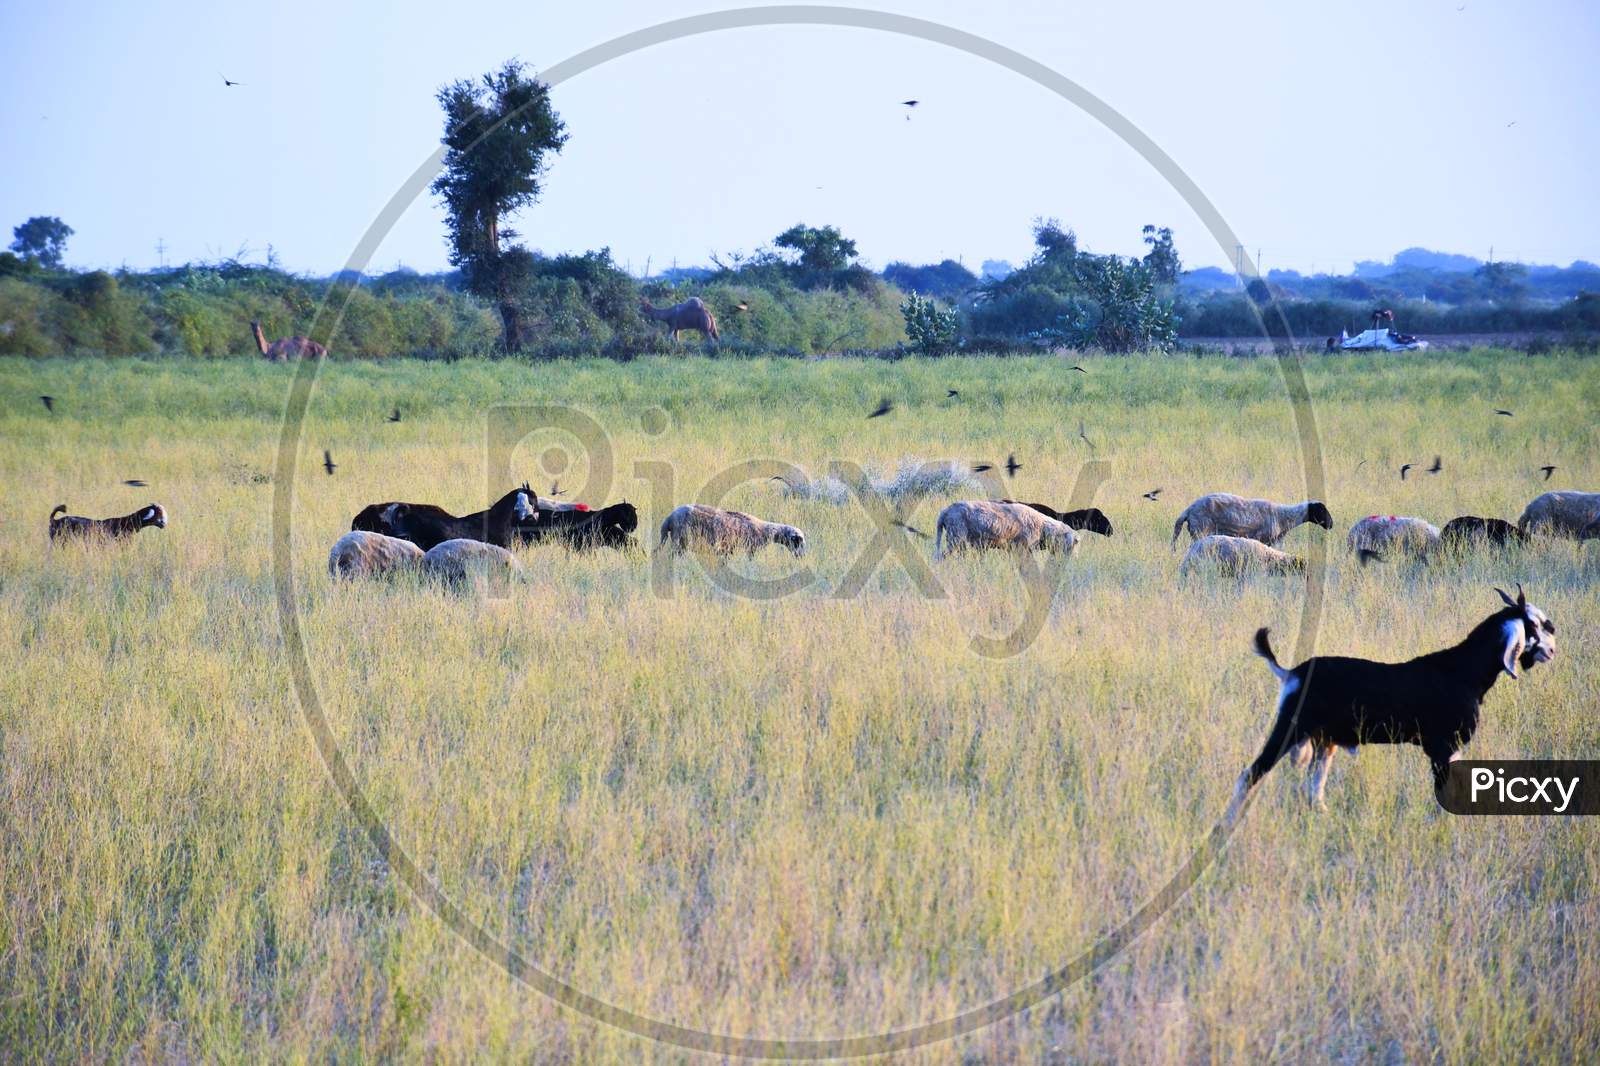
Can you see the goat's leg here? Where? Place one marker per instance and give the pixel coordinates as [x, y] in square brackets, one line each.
[1279, 742]
[1440, 754]
[1322, 762]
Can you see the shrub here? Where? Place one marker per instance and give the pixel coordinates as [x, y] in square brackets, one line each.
[930, 329]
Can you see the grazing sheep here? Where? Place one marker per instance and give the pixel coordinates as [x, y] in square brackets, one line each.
[579, 527]
[1590, 531]
[1087, 519]
[1432, 700]
[1263, 520]
[1237, 556]
[997, 524]
[361, 553]
[1385, 533]
[71, 525]
[724, 532]
[1561, 514]
[1469, 530]
[426, 525]
[458, 559]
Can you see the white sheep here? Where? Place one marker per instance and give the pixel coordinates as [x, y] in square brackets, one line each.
[458, 559]
[725, 532]
[1237, 556]
[363, 554]
[1235, 516]
[1385, 533]
[1561, 514]
[996, 524]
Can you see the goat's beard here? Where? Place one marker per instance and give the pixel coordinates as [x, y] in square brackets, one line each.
[1530, 657]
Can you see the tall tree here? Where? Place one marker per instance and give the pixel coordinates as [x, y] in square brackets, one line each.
[821, 249]
[41, 240]
[1162, 259]
[497, 133]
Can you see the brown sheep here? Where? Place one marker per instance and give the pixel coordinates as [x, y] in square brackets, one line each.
[725, 532]
[360, 553]
[997, 524]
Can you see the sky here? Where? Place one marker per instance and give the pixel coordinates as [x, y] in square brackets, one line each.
[1323, 133]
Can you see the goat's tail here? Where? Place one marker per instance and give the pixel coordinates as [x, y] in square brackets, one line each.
[1177, 528]
[1263, 648]
[60, 508]
[941, 537]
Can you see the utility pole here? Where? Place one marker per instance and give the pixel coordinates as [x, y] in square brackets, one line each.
[161, 253]
[1258, 262]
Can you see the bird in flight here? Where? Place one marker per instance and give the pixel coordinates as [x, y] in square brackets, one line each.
[981, 468]
[1437, 466]
[1080, 369]
[556, 489]
[327, 462]
[227, 83]
[1012, 466]
[1152, 494]
[952, 393]
[134, 483]
[909, 104]
[49, 403]
[884, 407]
[1361, 464]
[1502, 411]
[741, 305]
[394, 416]
[911, 529]
[1513, 122]
[1403, 470]
[1548, 470]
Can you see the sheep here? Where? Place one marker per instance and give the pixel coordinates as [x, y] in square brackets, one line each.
[580, 527]
[1468, 530]
[426, 525]
[997, 524]
[1088, 519]
[1238, 556]
[725, 532]
[1263, 520]
[1432, 700]
[458, 559]
[1561, 514]
[69, 525]
[1590, 531]
[361, 553]
[1379, 534]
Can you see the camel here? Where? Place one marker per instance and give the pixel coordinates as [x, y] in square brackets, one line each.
[289, 348]
[691, 314]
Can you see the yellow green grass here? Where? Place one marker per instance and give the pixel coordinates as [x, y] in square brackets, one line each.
[803, 818]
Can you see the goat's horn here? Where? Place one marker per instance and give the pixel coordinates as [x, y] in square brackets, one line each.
[1509, 601]
[1522, 599]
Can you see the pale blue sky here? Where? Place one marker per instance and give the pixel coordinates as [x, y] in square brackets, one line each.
[1324, 132]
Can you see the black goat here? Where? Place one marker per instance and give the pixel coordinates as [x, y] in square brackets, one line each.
[1091, 519]
[1432, 700]
[581, 527]
[1470, 529]
[71, 525]
[427, 526]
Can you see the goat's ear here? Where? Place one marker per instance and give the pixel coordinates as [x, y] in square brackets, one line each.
[1516, 638]
[1508, 600]
[1522, 598]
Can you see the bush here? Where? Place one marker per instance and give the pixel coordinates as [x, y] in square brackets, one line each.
[930, 329]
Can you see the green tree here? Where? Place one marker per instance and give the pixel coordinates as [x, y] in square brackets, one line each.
[497, 133]
[41, 240]
[1505, 282]
[932, 330]
[1162, 259]
[823, 250]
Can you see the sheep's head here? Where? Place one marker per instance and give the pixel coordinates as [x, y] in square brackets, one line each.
[1588, 532]
[1094, 520]
[1530, 636]
[154, 515]
[1317, 511]
[790, 538]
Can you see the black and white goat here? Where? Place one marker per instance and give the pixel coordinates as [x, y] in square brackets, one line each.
[1432, 700]
[1088, 519]
[71, 525]
[428, 526]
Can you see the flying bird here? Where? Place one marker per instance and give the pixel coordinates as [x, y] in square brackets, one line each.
[911, 529]
[1367, 555]
[135, 483]
[910, 103]
[1080, 369]
[1012, 466]
[952, 393]
[1548, 470]
[1513, 122]
[1404, 468]
[556, 489]
[49, 403]
[1152, 494]
[1437, 466]
[394, 416]
[981, 468]
[1361, 464]
[884, 407]
[226, 83]
[1502, 411]
[741, 305]
[1084, 436]
[327, 462]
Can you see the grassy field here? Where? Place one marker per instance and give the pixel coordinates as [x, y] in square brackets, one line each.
[804, 817]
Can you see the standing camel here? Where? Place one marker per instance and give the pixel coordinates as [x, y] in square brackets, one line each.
[288, 348]
[691, 314]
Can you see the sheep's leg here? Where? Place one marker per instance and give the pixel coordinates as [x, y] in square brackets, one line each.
[1322, 762]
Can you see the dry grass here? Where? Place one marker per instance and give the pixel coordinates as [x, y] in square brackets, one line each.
[807, 817]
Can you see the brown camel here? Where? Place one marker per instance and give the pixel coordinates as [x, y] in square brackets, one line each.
[289, 348]
[691, 314]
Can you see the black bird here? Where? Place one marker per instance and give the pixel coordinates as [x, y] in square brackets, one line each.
[1367, 555]
[1080, 369]
[1548, 470]
[1502, 411]
[135, 483]
[979, 468]
[884, 407]
[1403, 470]
[327, 462]
[556, 489]
[1437, 466]
[1152, 494]
[49, 403]
[1361, 464]
[1084, 436]
[911, 529]
[910, 103]
[226, 83]
[952, 393]
[1012, 466]
[394, 416]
